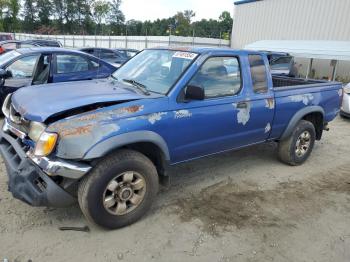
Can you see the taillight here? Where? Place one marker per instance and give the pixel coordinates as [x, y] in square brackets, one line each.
[2, 50]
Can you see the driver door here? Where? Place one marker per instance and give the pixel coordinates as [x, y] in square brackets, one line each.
[21, 73]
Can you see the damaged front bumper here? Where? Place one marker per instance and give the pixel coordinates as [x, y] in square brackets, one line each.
[29, 177]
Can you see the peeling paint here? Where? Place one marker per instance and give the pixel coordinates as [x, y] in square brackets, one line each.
[152, 118]
[268, 128]
[305, 98]
[119, 112]
[182, 114]
[243, 114]
[340, 92]
[270, 103]
[75, 131]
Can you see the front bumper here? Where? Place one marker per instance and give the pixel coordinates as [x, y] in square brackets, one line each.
[27, 182]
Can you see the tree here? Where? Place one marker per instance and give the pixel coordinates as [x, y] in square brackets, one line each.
[30, 15]
[101, 9]
[116, 17]
[183, 23]
[59, 13]
[189, 14]
[134, 27]
[226, 23]
[45, 10]
[85, 23]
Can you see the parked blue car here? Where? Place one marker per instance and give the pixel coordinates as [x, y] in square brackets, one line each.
[108, 143]
[36, 66]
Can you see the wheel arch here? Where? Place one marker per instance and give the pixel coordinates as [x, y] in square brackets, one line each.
[313, 114]
[148, 143]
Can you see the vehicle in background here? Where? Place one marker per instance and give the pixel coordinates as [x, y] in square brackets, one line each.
[127, 52]
[43, 42]
[5, 37]
[345, 109]
[6, 46]
[109, 142]
[112, 56]
[281, 63]
[36, 66]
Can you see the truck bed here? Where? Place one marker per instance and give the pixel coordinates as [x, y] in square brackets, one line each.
[295, 94]
[283, 82]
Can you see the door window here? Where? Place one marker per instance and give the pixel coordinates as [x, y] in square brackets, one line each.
[258, 73]
[219, 76]
[23, 67]
[69, 63]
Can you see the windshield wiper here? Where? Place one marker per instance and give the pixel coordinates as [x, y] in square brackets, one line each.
[138, 85]
[114, 77]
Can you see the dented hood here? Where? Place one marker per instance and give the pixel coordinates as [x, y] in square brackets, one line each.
[38, 103]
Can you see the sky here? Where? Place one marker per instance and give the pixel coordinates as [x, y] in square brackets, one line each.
[152, 9]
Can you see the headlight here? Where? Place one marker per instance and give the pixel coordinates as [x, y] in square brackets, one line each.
[35, 130]
[347, 90]
[46, 144]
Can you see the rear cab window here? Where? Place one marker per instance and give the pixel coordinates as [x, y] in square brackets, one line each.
[258, 73]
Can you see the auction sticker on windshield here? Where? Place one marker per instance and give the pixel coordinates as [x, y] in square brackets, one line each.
[185, 55]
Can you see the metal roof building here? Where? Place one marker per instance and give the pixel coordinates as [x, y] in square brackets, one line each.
[290, 20]
[308, 20]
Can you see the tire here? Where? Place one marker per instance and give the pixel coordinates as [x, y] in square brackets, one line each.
[93, 192]
[287, 149]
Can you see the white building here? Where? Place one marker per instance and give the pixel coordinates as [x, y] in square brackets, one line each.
[256, 20]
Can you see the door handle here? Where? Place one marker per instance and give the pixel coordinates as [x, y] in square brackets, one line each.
[242, 105]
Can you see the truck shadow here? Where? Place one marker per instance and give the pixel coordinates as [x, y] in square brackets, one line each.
[219, 165]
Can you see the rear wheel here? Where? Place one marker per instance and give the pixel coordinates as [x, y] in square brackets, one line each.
[296, 149]
[119, 190]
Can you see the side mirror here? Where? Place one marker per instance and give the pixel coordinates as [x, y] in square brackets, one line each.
[5, 74]
[194, 93]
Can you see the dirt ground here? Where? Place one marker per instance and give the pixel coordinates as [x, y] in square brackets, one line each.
[238, 206]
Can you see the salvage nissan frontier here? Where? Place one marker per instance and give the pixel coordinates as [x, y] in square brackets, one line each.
[107, 143]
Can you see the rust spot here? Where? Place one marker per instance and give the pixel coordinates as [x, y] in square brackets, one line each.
[88, 117]
[76, 131]
[133, 109]
[119, 111]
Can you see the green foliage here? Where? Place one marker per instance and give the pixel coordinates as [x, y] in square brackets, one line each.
[30, 15]
[102, 17]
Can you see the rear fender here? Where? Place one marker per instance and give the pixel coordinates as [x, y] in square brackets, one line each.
[298, 116]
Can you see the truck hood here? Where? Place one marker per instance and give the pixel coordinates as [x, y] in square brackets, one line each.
[38, 103]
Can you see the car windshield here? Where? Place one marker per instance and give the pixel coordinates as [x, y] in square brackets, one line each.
[8, 56]
[155, 70]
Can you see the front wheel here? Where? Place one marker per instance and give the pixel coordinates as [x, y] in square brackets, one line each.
[119, 190]
[296, 149]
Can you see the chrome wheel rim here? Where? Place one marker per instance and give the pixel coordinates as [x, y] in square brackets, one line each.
[303, 144]
[124, 193]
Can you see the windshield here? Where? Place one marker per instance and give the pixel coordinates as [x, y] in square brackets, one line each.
[8, 56]
[155, 70]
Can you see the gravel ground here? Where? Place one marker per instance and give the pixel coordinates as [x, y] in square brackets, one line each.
[237, 206]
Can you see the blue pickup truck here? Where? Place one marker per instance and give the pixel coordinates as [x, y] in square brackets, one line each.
[107, 143]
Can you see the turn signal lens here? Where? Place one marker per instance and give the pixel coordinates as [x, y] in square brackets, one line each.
[46, 144]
